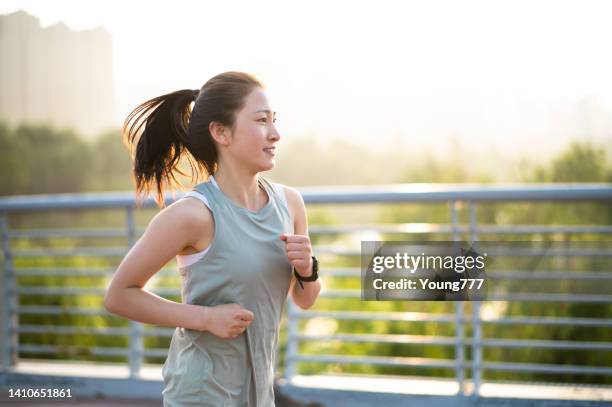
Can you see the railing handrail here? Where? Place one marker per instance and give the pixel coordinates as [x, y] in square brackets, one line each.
[418, 192]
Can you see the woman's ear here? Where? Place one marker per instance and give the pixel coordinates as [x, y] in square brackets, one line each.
[219, 133]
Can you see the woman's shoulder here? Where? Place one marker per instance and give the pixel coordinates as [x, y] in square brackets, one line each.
[293, 197]
[188, 211]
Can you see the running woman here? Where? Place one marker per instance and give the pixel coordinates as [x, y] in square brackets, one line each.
[241, 242]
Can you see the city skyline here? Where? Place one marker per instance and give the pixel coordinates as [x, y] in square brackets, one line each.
[57, 76]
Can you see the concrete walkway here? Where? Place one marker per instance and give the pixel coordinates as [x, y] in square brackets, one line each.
[110, 385]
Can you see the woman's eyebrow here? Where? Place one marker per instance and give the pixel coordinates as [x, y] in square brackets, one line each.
[264, 111]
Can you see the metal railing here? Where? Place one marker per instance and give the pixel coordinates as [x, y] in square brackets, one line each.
[469, 196]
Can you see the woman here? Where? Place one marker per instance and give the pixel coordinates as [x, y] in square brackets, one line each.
[236, 237]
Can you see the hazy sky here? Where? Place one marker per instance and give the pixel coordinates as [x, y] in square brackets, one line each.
[507, 75]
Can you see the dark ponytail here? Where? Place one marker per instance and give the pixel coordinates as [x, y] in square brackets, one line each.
[169, 131]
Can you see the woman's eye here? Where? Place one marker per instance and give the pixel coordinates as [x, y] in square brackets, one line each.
[265, 119]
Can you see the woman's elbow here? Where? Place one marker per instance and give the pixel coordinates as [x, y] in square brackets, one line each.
[110, 304]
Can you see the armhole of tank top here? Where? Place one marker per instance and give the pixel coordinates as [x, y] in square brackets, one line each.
[185, 260]
[280, 191]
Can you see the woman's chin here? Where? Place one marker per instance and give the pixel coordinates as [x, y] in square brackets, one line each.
[268, 166]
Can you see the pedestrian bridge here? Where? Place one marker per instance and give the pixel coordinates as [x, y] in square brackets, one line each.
[55, 334]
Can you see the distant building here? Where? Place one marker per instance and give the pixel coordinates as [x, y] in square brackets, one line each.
[55, 75]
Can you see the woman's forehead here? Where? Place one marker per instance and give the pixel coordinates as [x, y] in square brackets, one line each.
[257, 101]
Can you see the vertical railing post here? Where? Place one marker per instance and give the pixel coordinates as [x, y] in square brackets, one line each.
[476, 323]
[459, 327]
[567, 244]
[136, 346]
[9, 314]
[292, 342]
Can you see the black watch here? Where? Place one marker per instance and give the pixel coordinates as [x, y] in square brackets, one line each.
[313, 277]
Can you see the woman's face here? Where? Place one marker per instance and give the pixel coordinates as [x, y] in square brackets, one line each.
[254, 139]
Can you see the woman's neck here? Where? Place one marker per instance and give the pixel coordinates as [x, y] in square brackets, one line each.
[241, 188]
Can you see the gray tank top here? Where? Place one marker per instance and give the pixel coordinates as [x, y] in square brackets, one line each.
[245, 264]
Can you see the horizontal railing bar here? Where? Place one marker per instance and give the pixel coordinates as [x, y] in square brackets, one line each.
[423, 316]
[514, 252]
[546, 252]
[334, 272]
[375, 316]
[406, 228]
[120, 251]
[95, 351]
[83, 271]
[534, 297]
[88, 271]
[63, 330]
[43, 290]
[455, 192]
[56, 310]
[348, 315]
[72, 252]
[546, 297]
[423, 228]
[526, 229]
[548, 275]
[382, 338]
[596, 322]
[444, 363]
[531, 367]
[85, 233]
[501, 274]
[434, 340]
[401, 228]
[104, 331]
[33, 290]
[376, 360]
[394, 193]
[548, 344]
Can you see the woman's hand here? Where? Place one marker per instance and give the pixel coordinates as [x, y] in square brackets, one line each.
[227, 321]
[299, 253]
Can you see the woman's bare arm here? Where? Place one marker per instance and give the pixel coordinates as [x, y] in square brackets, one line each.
[303, 297]
[173, 229]
[169, 232]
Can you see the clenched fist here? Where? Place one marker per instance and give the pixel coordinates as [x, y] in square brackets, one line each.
[227, 321]
[299, 253]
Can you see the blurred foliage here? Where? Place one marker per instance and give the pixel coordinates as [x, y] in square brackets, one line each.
[45, 160]
[41, 159]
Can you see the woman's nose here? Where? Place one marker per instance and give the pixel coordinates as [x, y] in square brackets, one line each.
[274, 134]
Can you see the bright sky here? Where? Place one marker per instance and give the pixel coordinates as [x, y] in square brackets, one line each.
[506, 74]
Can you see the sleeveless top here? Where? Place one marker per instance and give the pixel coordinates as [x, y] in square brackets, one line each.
[245, 264]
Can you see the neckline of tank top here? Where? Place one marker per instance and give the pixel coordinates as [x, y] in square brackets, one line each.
[264, 209]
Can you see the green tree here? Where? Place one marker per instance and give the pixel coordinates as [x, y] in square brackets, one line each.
[42, 159]
[111, 164]
[12, 165]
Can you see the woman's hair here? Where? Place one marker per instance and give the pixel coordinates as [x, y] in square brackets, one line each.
[171, 130]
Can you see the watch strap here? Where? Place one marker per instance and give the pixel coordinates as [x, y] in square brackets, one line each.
[312, 277]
